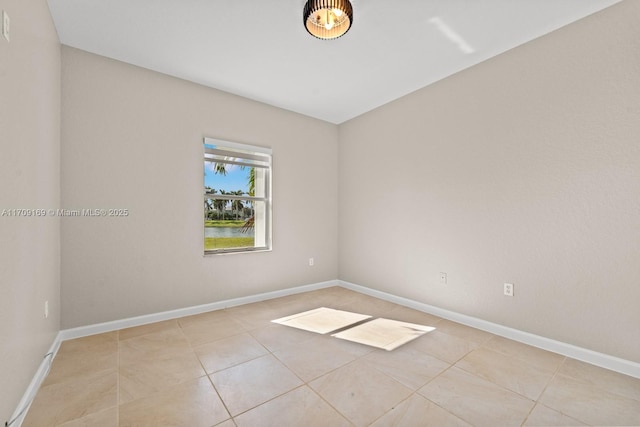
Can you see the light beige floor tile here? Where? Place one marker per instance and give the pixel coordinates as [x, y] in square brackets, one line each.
[68, 367]
[252, 383]
[611, 381]
[253, 316]
[153, 346]
[443, 346]
[58, 403]
[334, 291]
[299, 407]
[84, 357]
[274, 337]
[463, 331]
[255, 308]
[194, 404]
[534, 356]
[327, 297]
[202, 332]
[137, 331]
[418, 411]
[359, 303]
[146, 377]
[228, 423]
[590, 404]
[105, 418]
[506, 371]
[227, 352]
[353, 348]
[206, 317]
[408, 366]
[541, 416]
[89, 342]
[313, 358]
[477, 401]
[359, 392]
[406, 314]
[292, 304]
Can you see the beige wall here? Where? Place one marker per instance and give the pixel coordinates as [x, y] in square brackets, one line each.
[523, 169]
[132, 138]
[29, 178]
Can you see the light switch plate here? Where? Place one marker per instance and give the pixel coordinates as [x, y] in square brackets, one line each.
[5, 25]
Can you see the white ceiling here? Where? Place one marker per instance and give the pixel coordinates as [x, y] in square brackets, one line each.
[259, 49]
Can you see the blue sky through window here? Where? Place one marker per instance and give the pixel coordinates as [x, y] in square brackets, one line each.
[236, 178]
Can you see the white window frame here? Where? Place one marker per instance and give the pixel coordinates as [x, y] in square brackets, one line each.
[233, 153]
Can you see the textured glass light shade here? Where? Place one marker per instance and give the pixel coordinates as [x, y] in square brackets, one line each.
[327, 19]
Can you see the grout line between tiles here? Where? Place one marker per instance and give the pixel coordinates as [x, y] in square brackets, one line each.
[445, 409]
[483, 379]
[529, 414]
[557, 373]
[328, 403]
[436, 376]
[267, 401]
[549, 381]
[219, 396]
[394, 406]
[206, 373]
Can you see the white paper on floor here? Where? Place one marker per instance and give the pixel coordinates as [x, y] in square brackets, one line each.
[322, 320]
[384, 333]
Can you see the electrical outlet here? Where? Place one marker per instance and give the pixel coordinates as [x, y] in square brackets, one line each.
[46, 309]
[311, 262]
[508, 289]
[5, 25]
[443, 278]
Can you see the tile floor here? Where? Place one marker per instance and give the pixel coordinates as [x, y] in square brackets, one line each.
[234, 367]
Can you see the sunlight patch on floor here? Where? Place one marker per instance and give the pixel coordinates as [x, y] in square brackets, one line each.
[322, 320]
[384, 333]
[381, 333]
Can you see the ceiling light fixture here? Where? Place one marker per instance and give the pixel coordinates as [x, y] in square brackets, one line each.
[327, 19]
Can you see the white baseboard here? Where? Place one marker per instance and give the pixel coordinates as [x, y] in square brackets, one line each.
[606, 361]
[115, 325]
[27, 398]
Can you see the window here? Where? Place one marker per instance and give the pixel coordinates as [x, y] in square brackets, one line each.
[237, 197]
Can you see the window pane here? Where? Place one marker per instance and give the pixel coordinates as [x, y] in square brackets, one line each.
[233, 224]
[227, 179]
